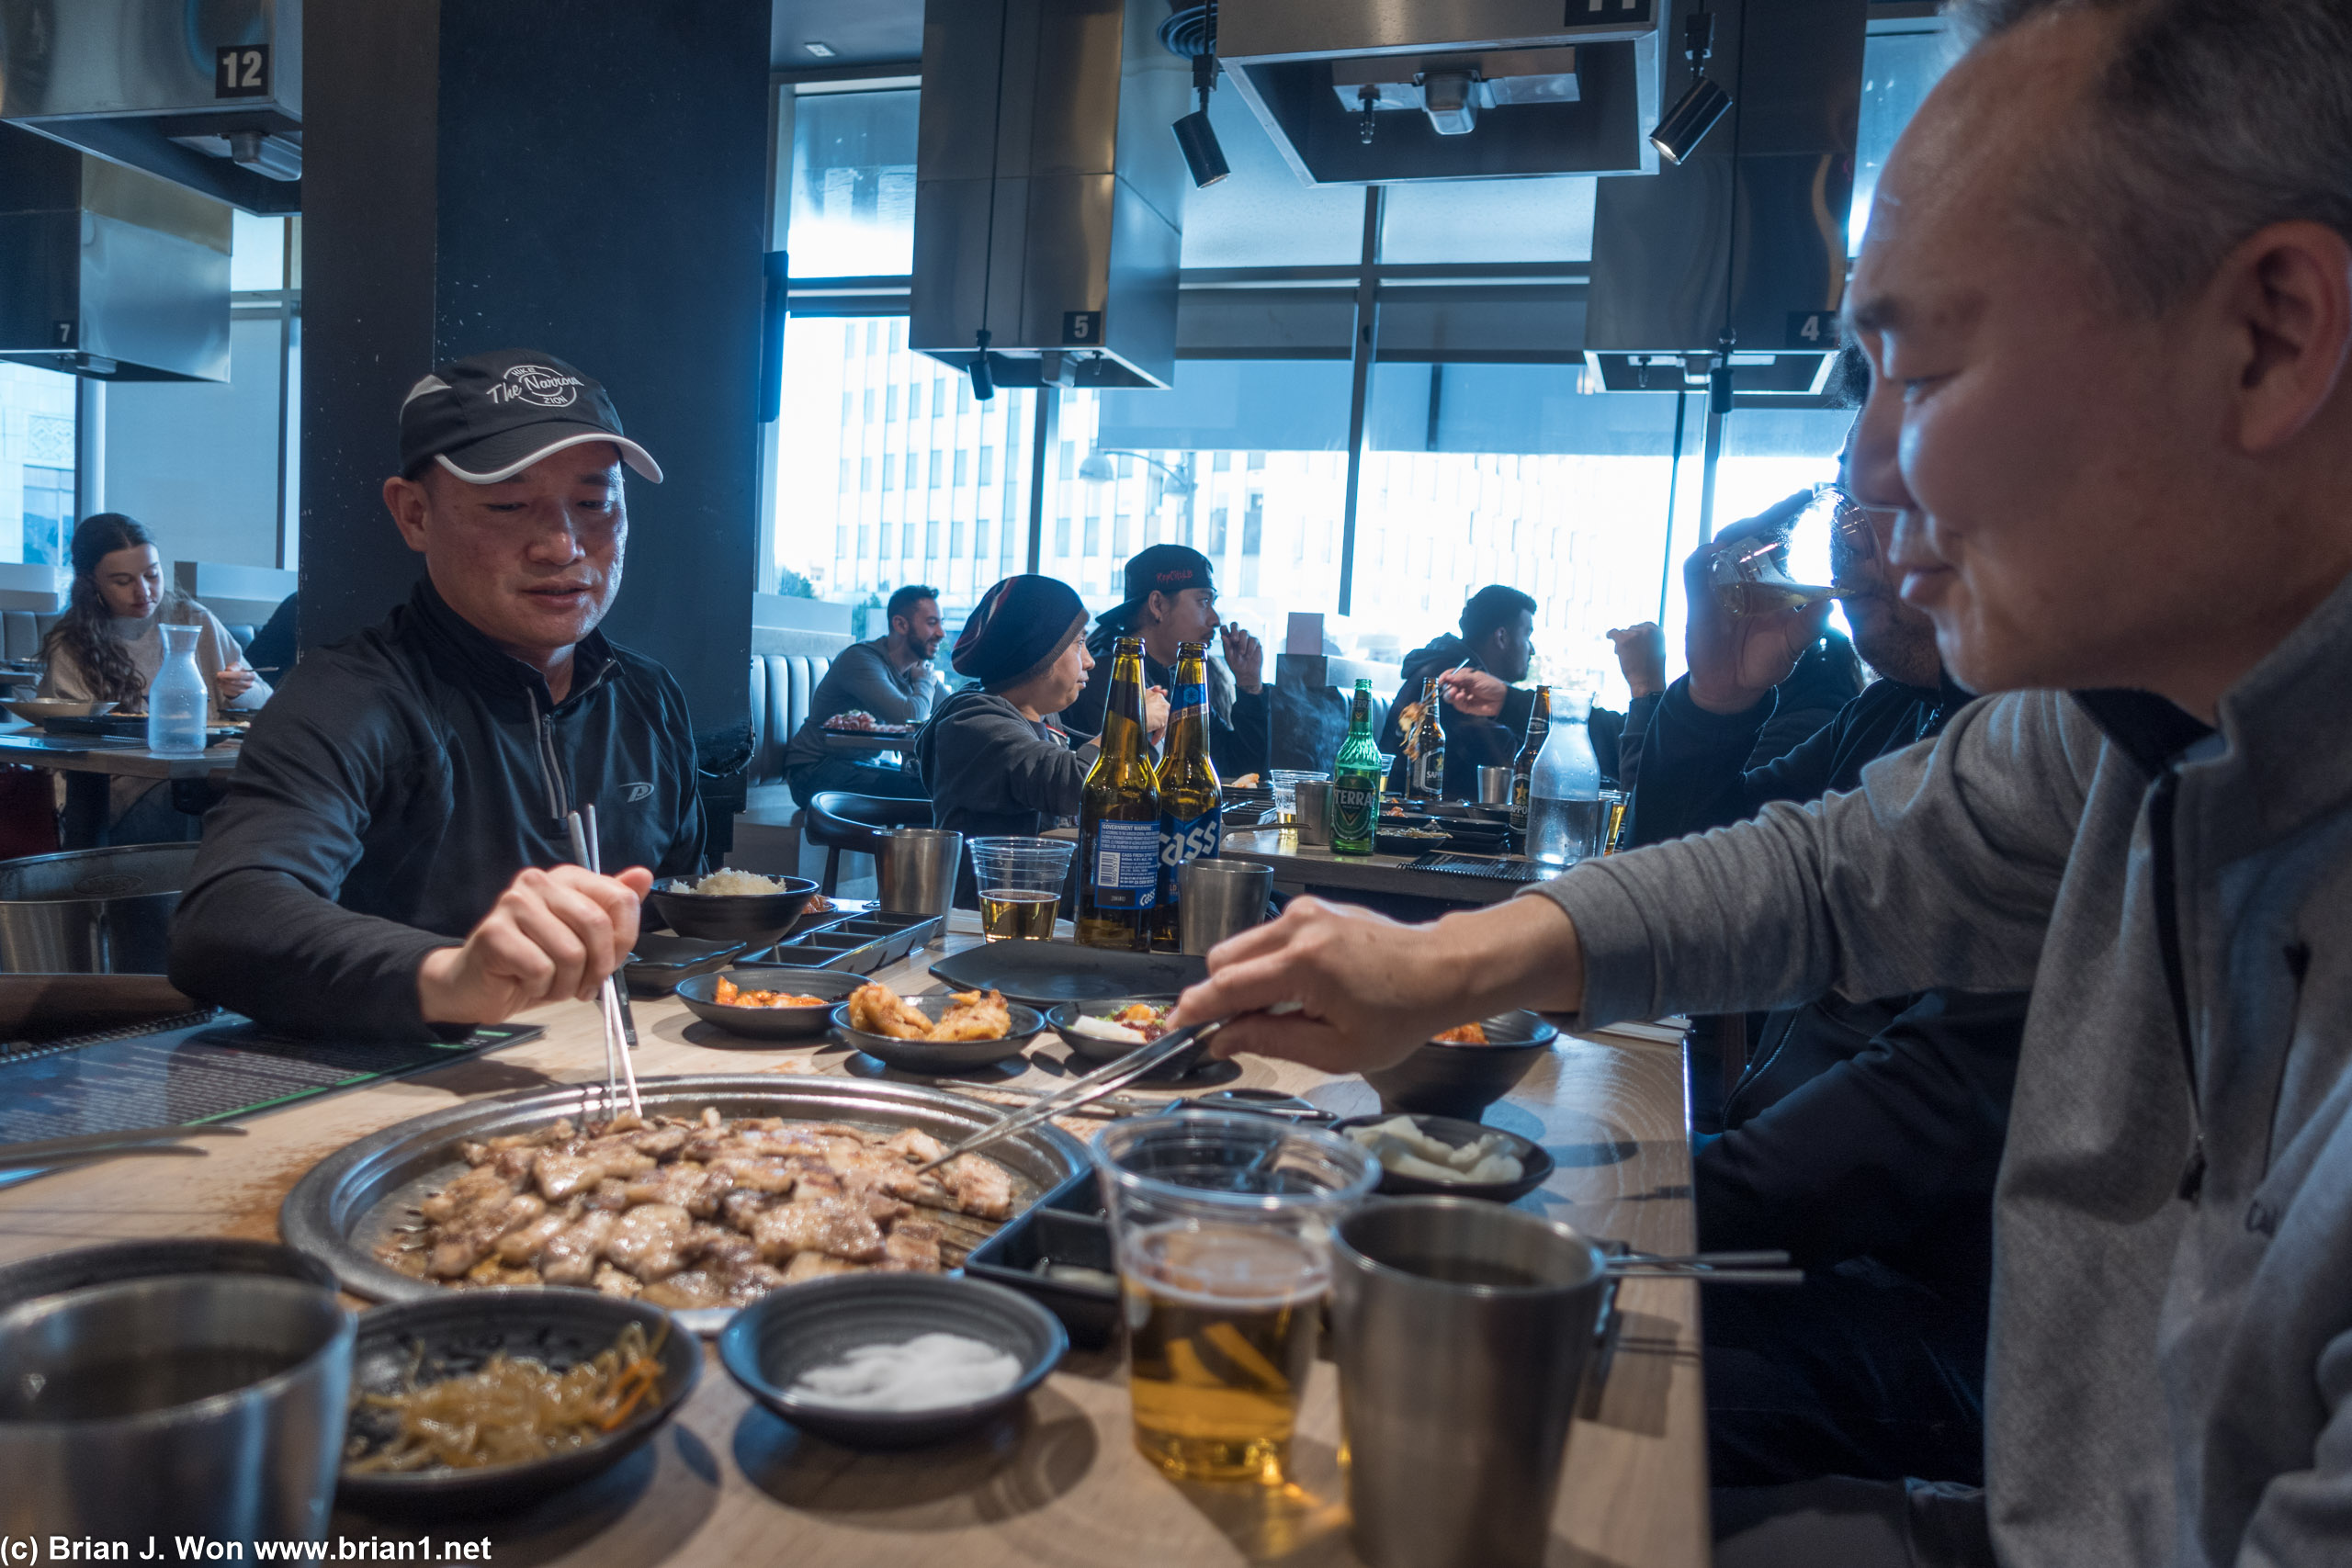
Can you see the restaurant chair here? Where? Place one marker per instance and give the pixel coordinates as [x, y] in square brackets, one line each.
[839, 820]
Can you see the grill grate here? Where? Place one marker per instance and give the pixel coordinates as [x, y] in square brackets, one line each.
[1495, 867]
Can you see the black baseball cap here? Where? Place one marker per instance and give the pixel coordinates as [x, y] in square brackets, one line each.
[1166, 568]
[489, 416]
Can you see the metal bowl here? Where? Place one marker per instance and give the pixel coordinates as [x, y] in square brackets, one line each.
[773, 1342]
[454, 1335]
[1462, 1080]
[351, 1201]
[770, 1024]
[942, 1055]
[55, 1273]
[1534, 1164]
[758, 917]
[32, 710]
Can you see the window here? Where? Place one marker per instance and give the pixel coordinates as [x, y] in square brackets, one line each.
[890, 471]
[938, 468]
[869, 407]
[889, 404]
[853, 184]
[1547, 220]
[37, 454]
[988, 466]
[962, 458]
[1898, 69]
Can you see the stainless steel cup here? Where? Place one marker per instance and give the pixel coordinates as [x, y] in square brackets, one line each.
[1313, 810]
[1218, 898]
[213, 1406]
[1494, 786]
[916, 871]
[1461, 1329]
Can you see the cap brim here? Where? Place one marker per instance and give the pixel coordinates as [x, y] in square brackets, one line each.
[501, 457]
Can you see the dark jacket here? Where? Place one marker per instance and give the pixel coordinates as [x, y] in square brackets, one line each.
[390, 791]
[1470, 743]
[1859, 1128]
[1825, 680]
[1241, 728]
[989, 770]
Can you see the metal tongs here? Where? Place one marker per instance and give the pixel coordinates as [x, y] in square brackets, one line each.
[1714, 1268]
[620, 1028]
[1094, 1085]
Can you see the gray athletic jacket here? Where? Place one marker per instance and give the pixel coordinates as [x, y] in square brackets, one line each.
[2171, 1353]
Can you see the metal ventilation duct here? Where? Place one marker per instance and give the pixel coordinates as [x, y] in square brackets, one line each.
[1362, 94]
[108, 272]
[1748, 234]
[1049, 191]
[205, 93]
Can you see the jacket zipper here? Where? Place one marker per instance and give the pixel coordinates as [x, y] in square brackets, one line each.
[2162, 806]
[550, 766]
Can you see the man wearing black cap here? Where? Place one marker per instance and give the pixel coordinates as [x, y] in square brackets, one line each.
[392, 853]
[1171, 600]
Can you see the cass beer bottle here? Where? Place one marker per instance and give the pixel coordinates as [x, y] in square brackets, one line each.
[1522, 769]
[1192, 806]
[1355, 781]
[1118, 818]
[1428, 747]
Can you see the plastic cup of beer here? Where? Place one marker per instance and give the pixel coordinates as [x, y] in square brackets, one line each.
[1284, 783]
[1020, 883]
[1223, 1223]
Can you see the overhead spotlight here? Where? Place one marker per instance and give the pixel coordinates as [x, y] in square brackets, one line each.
[1197, 139]
[983, 373]
[1190, 34]
[1695, 114]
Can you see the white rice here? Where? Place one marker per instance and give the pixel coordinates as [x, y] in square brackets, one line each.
[727, 883]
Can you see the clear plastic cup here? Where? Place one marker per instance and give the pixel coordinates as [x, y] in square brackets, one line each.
[1020, 883]
[1285, 782]
[1223, 1226]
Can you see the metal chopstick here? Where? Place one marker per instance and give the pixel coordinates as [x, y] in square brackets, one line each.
[1102, 1081]
[583, 849]
[597, 864]
[93, 1146]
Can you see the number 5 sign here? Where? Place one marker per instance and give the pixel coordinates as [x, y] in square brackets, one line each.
[240, 71]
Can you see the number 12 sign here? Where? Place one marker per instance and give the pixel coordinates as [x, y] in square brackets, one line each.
[240, 71]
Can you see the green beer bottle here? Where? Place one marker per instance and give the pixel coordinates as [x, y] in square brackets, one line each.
[1523, 771]
[1118, 818]
[1192, 803]
[1355, 781]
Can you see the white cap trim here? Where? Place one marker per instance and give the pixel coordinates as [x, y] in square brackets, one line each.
[636, 456]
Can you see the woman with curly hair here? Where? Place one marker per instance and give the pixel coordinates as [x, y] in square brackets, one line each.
[111, 644]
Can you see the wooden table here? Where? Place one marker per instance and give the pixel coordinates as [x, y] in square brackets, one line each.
[1299, 867]
[728, 1485]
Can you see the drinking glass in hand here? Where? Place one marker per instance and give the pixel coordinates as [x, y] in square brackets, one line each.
[1223, 1224]
[1746, 579]
[1020, 882]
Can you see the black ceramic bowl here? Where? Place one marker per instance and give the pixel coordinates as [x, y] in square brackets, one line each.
[771, 1024]
[61, 1271]
[457, 1333]
[1061, 1019]
[1462, 1080]
[941, 1055]
[1534, 1164]
[758, 917]
[773, 1341]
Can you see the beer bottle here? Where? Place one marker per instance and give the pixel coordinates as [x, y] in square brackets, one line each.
[1355, 781]
[1523, 769]
[1118, 818]
[1192, 806]
[1428, 747]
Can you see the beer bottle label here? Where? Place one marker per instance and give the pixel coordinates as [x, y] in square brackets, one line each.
[1189, 839]
[1126, 865]
[1182, 697]
[1355, 809]
[1519, 803]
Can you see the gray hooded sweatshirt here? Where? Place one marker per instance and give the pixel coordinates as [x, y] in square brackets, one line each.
[2171, 1354]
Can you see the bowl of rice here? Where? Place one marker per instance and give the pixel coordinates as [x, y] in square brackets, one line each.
[732, 906]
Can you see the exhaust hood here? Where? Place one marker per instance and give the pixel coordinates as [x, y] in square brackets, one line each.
[108, 272]
[1357, 93]
[1049, 191]
[205, 93]
[1747, 236]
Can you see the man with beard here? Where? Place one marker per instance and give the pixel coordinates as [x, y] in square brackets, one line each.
[393, 853]
[1864, 1135]
[890, 678]
[1484, 710]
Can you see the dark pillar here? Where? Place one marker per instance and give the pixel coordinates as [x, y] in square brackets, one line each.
[584, 177]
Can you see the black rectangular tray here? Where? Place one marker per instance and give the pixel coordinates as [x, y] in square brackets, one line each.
[1047, 974]
[662, 959]
[857, 945]
[1066, 1226]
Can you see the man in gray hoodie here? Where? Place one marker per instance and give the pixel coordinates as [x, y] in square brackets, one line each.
[2107, 296]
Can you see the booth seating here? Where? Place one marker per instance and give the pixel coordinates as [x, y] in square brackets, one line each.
[767, 831]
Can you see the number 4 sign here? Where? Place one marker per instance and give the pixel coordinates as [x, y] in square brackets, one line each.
[240, 71]
[1815, 329]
